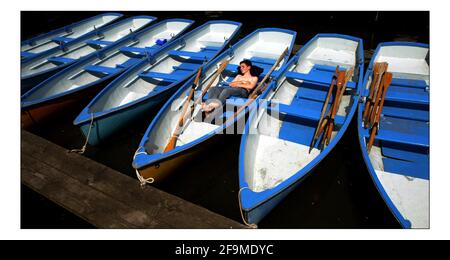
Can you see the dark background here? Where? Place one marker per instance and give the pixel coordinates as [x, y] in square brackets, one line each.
[338, 194]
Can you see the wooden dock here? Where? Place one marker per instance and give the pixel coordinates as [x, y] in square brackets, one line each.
[104, 197]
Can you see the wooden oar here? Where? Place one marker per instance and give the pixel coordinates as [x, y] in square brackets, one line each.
[386, 82]
[379, 69]
[173, 140]
[334, 107]
[324, 107]
[256, 91]
[337, 102]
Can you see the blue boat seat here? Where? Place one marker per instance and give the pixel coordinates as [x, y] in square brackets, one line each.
[133, 51]
[101, 69]
[409, 83]
[299, 111]
[129, 63]
[62, 39]
[260, 60]
[98, 43]
[233, 69]
[407, 113]
[60, 60]
[201, 56]
[187, 66]
[26, 54]
[316, 77]
[176, 76]
[414, 169]
[405, 95]
[211, 48]
[401, 138]
[404, 152]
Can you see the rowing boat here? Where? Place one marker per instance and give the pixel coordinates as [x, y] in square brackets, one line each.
[398, 160]
[153, 161]
[153, 80]
[80, 82]
[277, 150]
[40, 67]
[53, 39]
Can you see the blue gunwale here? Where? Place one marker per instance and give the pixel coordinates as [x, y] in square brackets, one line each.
[250, 200]
[85, 116]
[142, 160]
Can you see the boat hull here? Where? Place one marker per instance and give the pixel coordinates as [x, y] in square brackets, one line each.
[106, 126]
[162, 169]
[29, 83]
[39, 113]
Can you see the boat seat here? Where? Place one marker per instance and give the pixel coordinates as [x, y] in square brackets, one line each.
[175, 76]
[413, 169]
[405, 95]
[260, 60]
[26, 54]
[409, 83]
[200, 56]
[137, 51]
[405, 112]
[97, 44]
[129, 63]
[62, 39]
[211, 48]
[401, 138]
[404, 152]
[187, 66]
[299, 111]
[316, 76]
[60, 60]
[233, 69]
[101, 69]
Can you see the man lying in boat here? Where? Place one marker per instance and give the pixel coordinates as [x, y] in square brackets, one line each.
[241, 86]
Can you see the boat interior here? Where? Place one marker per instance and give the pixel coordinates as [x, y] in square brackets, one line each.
[168, 68]
[281, 133]
[111, 62]
[263, 49]
[71, 52]
[70, 33]
[400, 154]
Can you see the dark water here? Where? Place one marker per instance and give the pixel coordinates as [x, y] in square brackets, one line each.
[338, 194]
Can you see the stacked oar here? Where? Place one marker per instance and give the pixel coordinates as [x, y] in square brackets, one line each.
[326, 124]
[381, 80]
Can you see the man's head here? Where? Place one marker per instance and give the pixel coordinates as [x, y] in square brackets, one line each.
[245, 66]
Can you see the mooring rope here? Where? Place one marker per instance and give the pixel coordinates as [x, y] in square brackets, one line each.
[240, 209]
[141, 179]
[83, 149]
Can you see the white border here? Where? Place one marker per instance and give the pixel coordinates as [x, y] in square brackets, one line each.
[10, 152]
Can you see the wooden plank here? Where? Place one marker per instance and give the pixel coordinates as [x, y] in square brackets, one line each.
[104, 197]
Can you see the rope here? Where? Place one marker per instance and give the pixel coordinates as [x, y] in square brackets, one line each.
[240, 209]
[141, 179]
[83, 149]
